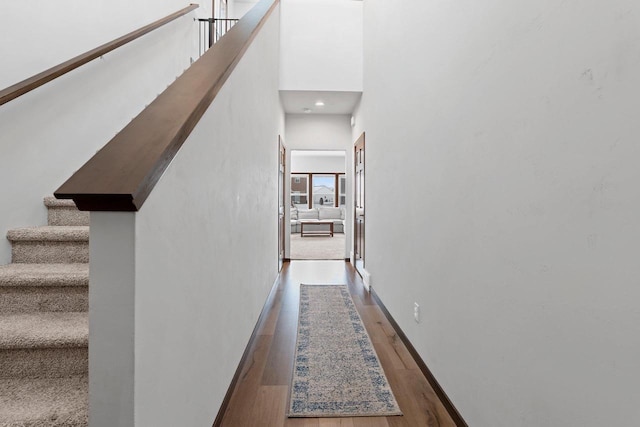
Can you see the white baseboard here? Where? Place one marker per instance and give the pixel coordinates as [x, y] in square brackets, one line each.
[366, 280]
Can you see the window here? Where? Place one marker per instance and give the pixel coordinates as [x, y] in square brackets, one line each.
[299, 190]
[312, 190]
[324, 190]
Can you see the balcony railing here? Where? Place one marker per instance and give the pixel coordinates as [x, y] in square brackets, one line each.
[211, 30]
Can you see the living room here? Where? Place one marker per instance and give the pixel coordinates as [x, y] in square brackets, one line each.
[318, 204]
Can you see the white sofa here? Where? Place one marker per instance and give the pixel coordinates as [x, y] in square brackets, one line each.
[324, 213]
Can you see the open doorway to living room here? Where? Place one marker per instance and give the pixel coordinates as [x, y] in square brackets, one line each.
[318, 204]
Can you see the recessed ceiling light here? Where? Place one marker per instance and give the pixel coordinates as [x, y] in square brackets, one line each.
[306, 110]
[319, 104]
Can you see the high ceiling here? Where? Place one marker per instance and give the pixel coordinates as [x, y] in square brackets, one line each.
[301, 102]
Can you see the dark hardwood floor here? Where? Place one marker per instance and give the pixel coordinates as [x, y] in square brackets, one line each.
[261, 394]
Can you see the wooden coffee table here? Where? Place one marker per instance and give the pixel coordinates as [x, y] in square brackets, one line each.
[328, 232]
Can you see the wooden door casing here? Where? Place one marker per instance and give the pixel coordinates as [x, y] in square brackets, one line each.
[359, 203]
[281, 205]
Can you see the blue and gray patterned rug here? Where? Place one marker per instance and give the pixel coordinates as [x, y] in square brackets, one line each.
[336, 370]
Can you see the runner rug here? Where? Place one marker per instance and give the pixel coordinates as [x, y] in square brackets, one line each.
[336, 371]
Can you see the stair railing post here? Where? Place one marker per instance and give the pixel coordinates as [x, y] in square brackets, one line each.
[210, 32]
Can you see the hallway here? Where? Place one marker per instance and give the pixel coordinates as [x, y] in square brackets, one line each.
[261, 395]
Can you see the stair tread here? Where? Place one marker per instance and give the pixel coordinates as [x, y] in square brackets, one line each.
[59, 233]
[44, 330]
[43, 402]
[44, 275]
[51, 201]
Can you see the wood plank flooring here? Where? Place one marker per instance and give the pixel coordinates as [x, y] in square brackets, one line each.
[260, 398]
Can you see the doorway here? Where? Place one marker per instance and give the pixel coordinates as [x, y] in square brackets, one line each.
[318, 205]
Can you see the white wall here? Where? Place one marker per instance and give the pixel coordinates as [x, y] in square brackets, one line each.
[321, 45]
[320, 132]
[507, 134]
[51, 131]
[37, 35]
[307, 161]
[205, 253]
[112, 318]
[237, 9]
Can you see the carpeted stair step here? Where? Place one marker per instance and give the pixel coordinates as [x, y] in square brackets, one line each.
[27, 288]
[43, 345]
[64, 212]
[50, 244]
[40, 402]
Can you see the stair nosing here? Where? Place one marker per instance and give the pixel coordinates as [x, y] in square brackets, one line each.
[59, 203]
[50, 233]
[44, 275]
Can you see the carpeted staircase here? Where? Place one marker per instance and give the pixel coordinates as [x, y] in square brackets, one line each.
[44, 329]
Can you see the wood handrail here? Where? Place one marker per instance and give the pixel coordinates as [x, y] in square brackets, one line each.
[35, 81]
[121, 175]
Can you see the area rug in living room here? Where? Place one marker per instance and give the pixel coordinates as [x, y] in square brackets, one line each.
[318, 247]
[336, 370]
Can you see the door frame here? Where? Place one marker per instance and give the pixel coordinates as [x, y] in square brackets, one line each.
[359, 197]
[282, 179]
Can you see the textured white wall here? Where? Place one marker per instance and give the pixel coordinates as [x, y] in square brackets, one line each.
[206, 247]
[302, 162]
[504, 138]
[37, 35]
[239, 8]
[321, 45]
[50, 132]
[320, 132]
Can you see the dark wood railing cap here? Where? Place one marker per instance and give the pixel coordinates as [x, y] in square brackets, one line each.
[123, 173]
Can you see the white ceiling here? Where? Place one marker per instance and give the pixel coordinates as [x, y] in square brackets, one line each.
[295, 101]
